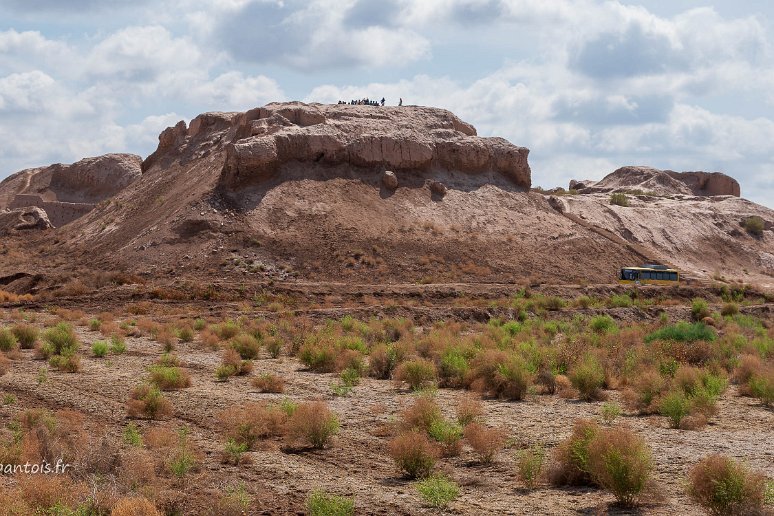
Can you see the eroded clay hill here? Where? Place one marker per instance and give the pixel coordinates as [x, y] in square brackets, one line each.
[339, 193]
[400, 194]
[63, 193]
[692, 220]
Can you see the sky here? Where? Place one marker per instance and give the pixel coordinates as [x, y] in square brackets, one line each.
[587, 85]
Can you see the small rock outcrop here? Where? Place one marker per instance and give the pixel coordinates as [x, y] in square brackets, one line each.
[438, 188]
[417, 139]
[390, 180]
[662, 182]
[22, 219]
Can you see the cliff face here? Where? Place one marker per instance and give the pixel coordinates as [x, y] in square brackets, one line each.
[416, 140]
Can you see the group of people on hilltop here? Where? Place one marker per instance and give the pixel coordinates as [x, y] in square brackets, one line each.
[366, 102]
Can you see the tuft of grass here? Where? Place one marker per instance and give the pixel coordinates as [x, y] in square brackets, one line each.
[8, 341]
[132, 435]
[117, 345]
[438, 491]
[485, 441]
[699, 309]
[147, 401]
[610, 412]
[530, 464]
[99, 348]
[321, 503]
[619, 199]
[26, 334]
[268, 382]
[602, 324]
[754, 225]
[169, 378]
[572, 458]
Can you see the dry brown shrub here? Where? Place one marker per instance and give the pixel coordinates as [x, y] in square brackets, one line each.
[26, 334]
[41, 492]
[160, 437]
[247, 423]
[137, 468]
[564, 388]
[109, 328]
[725, 487]
[380, 364]
[421, 414]
[645, 392]
[313, 424]
[51, 436]
[134, 506]
[10, 297]
[147, 401]
[414, 454]
[749, 366]
[485, 441]
[269, 382]
[148, 327]
[166, 337]
[350, 359]
[209, 339]
[12, 504]
[469, 410]
[693, 421]
[5, 364]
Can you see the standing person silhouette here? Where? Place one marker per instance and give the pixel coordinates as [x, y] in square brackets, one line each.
[401, 101]
[382, 101]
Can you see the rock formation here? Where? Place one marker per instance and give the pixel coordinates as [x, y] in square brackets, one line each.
[66, 192]
[22, 219]
[390, 180]
[406, 139]
[662, 182]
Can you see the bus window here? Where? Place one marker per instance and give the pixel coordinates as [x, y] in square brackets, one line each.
[673, 276]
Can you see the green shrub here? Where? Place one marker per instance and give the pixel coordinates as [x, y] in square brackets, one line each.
[588, 377]
[414, 454]
[754, 225]
[200, 324]
[621, 462]
[725, 487]
[233, 452]
[448, 434]
[683, 332]
[95, 324]
[699, 309]
[676, 406]
[8, 341]
[274, 346]
[729, 309]
[169, 378]
[602, 324]
[117, 345]
[26, 334]
[454, 368]
[620, 301]
[225, 371]
[99, 348]
[761, 386]
[438, 490]
[619, 199]
[148, 401]
[321, 503]
[530, 464]
[60, 340]
[186, 334]
[571, 458]
[132, 435]
[246, 345]
[512, 379]
[610, 412]
[320, 358]
[418, 374]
